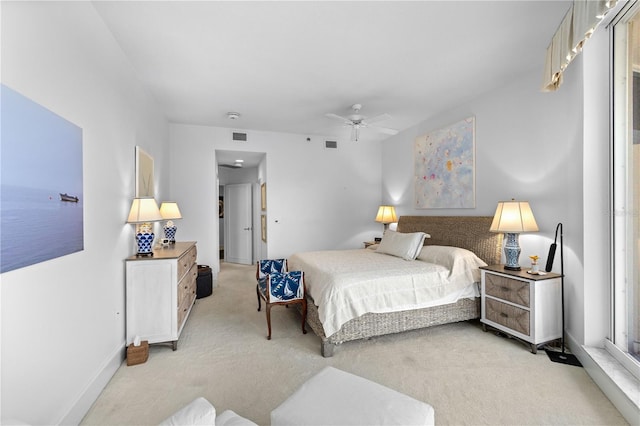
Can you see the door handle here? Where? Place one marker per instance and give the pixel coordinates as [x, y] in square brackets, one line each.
[247, 229]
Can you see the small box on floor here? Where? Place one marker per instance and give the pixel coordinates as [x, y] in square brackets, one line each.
[138, 354]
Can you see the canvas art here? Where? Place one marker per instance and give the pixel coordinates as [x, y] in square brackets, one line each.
[445, 167]
[41, 193]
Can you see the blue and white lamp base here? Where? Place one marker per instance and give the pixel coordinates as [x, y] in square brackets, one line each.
[511, 252]
[145, 243]
[170, 233]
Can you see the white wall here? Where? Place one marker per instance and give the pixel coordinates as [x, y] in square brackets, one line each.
[317, 198]
[528, 147]
[63, 320]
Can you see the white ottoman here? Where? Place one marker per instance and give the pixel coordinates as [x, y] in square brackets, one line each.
[335, 397]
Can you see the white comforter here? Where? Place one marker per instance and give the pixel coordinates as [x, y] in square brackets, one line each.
[346, 284]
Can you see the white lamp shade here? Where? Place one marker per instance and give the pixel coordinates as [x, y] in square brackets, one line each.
[386, 214]
[513, 217]
[144, 210]
[169, 210]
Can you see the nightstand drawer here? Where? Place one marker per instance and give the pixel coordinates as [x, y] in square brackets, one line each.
[508, 289]
[508, 315]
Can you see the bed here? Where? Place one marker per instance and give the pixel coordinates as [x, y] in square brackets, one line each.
[413, 311]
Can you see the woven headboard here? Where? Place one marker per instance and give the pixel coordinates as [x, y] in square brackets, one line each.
[469, 232]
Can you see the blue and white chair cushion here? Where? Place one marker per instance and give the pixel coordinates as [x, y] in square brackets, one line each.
[283, 286]
[269, 266]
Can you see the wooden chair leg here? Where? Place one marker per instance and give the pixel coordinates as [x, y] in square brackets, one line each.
[258, 294]
[269, 319]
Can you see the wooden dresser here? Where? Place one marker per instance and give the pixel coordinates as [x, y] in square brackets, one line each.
[161, 290]
[522, 305]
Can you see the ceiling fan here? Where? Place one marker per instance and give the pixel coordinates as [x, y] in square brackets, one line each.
[357, 122]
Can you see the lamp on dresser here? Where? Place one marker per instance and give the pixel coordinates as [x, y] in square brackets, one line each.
[386, 215]
[143, 212]
[512, 218]
[169, 210]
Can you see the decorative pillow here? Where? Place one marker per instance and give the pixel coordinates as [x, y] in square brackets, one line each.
[459, 261]
[404, 245]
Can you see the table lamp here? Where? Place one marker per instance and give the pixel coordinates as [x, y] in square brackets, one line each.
[512, 218]
[169, 210]
[386, 215]
[143, 212]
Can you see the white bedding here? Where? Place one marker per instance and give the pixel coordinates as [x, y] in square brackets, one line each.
[346, 284]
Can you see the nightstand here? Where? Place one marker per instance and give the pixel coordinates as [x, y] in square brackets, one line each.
[522, 305]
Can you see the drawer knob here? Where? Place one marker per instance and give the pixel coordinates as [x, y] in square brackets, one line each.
[503, 288]
[503, 315]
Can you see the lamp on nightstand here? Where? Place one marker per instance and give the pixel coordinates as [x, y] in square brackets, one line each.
[143, 212]
[386, 215]
[512, 218]
[169, 210]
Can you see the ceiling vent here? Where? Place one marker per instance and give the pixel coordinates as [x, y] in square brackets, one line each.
[239, 137]
[331, 144]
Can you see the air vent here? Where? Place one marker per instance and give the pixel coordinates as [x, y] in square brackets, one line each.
[240, 137]
[330, 144]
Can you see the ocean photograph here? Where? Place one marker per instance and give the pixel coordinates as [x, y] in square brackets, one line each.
[41, 190]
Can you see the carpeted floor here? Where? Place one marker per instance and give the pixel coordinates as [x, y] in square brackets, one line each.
[470, 377]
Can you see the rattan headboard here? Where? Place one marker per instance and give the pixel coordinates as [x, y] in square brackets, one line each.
[469, 232]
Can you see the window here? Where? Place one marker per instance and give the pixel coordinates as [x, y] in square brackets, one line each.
[625, 169]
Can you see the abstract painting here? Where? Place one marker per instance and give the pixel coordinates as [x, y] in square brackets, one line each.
[41, 193]
[445, 167]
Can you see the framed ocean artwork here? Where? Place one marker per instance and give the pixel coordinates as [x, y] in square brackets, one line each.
[41, 184]
[444, 174]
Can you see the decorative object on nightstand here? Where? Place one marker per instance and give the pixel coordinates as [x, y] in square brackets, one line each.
[169, 210]
[386, 215]
[535, 269]
[560, 357]
[512, 218]
[521, 305]
[143, 212]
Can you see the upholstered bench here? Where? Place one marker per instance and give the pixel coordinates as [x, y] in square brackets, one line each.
[335, 397]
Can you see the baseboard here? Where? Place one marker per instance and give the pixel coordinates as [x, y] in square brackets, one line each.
[598, 364]
[94, 388]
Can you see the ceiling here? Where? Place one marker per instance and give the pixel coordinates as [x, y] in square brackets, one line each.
[284, 65]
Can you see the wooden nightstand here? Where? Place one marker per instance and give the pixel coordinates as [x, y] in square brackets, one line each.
[522, 305]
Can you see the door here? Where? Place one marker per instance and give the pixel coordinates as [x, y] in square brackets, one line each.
[238, 226]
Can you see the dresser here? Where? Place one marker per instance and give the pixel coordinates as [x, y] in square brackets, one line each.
[522, 305]
[161, 290]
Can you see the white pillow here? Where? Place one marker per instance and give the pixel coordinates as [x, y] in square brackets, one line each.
[459, 261]
[197, 412]
[404, 245]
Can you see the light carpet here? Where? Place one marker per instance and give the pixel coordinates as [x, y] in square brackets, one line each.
[469, 377]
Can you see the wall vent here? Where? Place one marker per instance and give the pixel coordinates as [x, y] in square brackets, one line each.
[330, 144]
[240, 137]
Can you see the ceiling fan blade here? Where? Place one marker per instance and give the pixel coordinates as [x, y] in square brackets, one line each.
[337, 117]
[386, 130]
[377, 118]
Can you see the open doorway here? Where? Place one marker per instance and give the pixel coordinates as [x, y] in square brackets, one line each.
[240, 174]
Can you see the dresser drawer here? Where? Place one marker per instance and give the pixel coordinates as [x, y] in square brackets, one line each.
[508, 289]
[185, 304]
[186, 261]
[510, 316]
[187, 285]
